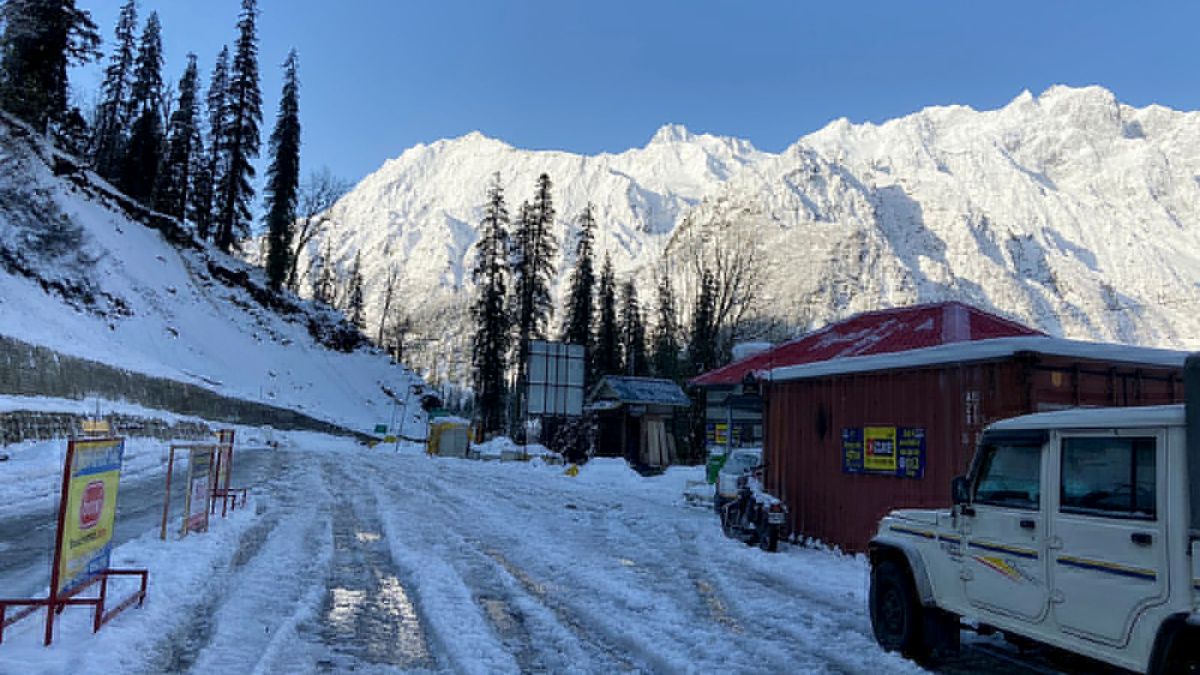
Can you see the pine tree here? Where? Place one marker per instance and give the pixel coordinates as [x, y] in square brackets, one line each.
[185, 151]
[580, 309]
[633, 331]
[212, 170]
[239, 142]
[41, 38]
[492, 338]
[139, 168]
[608, 331]
[702, 347]
[114, 113]
[355, 302]
[665, 355]
[283, 177]
[532, 264]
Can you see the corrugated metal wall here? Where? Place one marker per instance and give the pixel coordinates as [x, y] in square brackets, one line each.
[953, 403]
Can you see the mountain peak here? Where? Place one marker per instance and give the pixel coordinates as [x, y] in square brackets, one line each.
[671, 133]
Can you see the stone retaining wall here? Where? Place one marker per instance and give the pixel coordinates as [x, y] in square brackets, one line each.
[30, 370]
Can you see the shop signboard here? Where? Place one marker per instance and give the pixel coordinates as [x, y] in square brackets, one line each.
[884, 450]
[88, 512]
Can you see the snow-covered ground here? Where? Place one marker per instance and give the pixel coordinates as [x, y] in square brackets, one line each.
[377, 561]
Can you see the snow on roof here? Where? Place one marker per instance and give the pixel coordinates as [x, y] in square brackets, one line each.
[887, 331]
[640, 390]
[1097, 418]
[983, 350]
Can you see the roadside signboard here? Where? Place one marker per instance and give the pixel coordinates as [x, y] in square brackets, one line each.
[886, 451]
[88, 512]
[555, 378]
[199, 486]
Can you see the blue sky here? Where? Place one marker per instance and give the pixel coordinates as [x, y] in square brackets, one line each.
[379, 76]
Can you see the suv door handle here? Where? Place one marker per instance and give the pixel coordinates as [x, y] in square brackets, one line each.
[1028, 524]
[1142, 538]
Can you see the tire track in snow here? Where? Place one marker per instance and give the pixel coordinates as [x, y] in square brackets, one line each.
[271, 593]
[651, 595]
[539, 633]
[367, 616]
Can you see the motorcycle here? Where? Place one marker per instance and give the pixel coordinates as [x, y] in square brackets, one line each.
[755, 517]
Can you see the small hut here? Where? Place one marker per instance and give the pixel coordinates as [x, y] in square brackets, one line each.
[632, 418]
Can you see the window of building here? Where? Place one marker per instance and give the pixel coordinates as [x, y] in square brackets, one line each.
[1109, 477]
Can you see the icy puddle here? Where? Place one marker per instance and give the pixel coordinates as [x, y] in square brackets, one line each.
[368, 616]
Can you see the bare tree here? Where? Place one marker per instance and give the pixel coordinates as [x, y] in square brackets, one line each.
[393, 280]
[736, 262]
[319, 192]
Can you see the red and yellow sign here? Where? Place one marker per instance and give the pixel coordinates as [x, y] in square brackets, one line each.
[879, 452]
[85, 532]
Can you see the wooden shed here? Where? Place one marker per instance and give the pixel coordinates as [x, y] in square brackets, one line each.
[883, 410]
[632, 418]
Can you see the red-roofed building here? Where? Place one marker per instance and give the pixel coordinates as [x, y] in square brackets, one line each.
[883, 332]
[880, 411]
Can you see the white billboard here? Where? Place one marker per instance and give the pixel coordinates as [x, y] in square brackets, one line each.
[555, 378]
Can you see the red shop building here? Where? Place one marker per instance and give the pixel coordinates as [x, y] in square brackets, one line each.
[881, 411]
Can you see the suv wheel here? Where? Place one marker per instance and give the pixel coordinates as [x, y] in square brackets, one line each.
[895, 610]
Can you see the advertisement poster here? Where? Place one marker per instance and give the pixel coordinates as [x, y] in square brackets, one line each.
[198, 485]
[91, 509]
[885, 451]
[879, 449]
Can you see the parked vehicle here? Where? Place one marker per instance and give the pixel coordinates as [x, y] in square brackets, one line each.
[735, 465]
[1075, 529]
[754, 516]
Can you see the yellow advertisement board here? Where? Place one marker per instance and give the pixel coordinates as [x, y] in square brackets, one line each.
[85, 532]
[879, 449]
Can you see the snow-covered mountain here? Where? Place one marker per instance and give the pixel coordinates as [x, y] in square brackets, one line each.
[86, 272]
[1068, 210]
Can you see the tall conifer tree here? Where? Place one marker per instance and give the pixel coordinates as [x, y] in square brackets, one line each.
[139, 168]
[283, 176]
[41, 38]
[492, 339]
[532, 263]
[185, 149]
[240, 133]
[212, 169]
[633, 331]
[665, 351]
[702, 347]
[114, 113]
[580, 309]
[608, 331]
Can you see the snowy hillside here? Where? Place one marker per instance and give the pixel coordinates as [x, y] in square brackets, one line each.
[81, 274]
[1069, 211]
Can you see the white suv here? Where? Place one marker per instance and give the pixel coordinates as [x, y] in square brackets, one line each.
[1074, 529]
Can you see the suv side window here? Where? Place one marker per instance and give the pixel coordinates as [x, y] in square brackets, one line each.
[1011, 476]
[1109, 477]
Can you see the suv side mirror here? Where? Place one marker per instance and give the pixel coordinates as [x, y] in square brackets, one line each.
[960, 490]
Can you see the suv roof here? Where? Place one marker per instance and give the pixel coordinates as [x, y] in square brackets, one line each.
[1097, 418]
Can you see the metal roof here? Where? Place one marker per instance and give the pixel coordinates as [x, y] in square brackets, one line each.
[1097, 418]
[983, 350]
[887, 331]
[640, 390]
